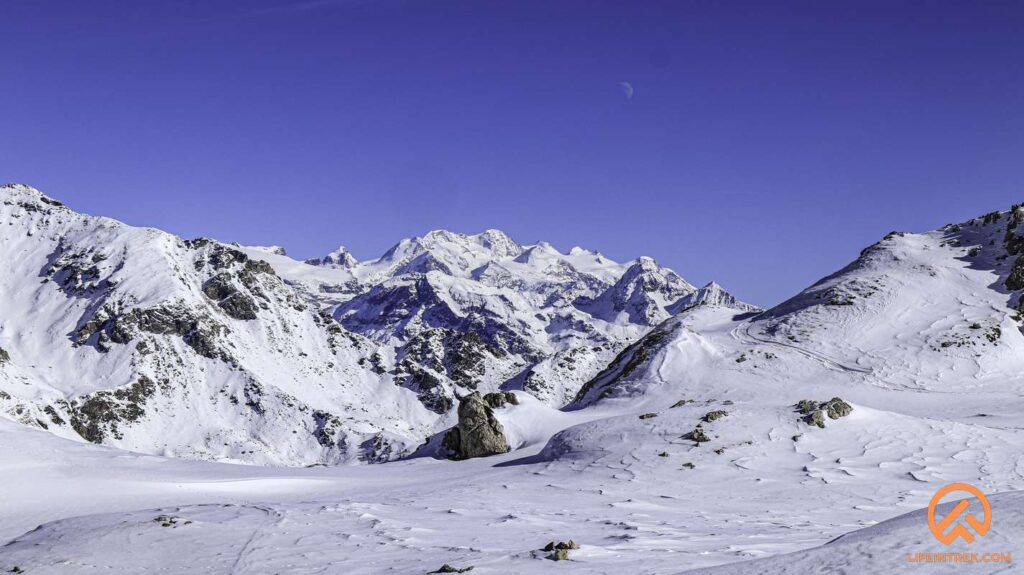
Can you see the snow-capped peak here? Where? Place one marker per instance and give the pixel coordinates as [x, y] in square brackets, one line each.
[712, 294]
[340, 257]
[448, 313]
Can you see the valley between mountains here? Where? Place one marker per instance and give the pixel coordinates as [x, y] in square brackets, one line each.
[179, 405]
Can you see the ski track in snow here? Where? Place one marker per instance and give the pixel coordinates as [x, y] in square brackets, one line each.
[742, 334]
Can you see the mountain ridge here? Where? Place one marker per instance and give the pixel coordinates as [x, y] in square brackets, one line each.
[278, 361]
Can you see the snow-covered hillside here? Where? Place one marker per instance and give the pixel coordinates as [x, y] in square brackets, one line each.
[192, 348]
[135, 338]
[713, 434]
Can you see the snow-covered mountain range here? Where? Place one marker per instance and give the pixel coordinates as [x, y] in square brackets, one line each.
[659, 427]
[193, 348]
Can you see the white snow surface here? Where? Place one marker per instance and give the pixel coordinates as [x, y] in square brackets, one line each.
[920, 335]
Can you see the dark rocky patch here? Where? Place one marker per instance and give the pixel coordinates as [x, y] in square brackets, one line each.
[814, 412]
[1015, 280]
[379, 449]
[326, 428]
[100, 413]
[236, 303]
[560, 551]
[714, 415]
[108, 325]
[501, 399]
[698, 435]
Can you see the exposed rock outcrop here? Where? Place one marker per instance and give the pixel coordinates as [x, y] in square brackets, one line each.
[814, 412]
[478, 433]
[560, 551]
[714, 415]
[501, 399]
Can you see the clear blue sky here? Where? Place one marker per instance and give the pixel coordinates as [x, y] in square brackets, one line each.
[765, 143]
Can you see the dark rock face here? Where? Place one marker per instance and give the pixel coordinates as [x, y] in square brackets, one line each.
[98, 414]
[233, 301]
[1015, 280]
[436, 352]
[326, 428]
[109, 325]
[80, 271]
[221, 257]
[429, 388]
[4, 356]
[478, 433]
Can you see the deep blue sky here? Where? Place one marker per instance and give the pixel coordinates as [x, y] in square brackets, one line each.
[766, 143]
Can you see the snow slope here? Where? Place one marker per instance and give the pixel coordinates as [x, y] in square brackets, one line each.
[192, 348]
[138, 339]
[883, 548]
[621, 469]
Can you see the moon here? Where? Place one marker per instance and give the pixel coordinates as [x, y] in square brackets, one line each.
[627, 90]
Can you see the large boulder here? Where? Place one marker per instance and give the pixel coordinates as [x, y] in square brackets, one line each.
[814, 412]
[478, 433]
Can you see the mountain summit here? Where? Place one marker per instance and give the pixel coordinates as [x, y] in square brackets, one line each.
[199, 349]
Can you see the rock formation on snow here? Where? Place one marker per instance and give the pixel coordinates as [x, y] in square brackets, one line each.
[478, 433]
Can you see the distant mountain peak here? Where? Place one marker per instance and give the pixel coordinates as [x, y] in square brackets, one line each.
[712, 294]
[340, 257]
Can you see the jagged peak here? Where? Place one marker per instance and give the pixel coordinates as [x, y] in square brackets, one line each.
[339, 257]
[712, 294]
[645, 266]
[499, 243]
